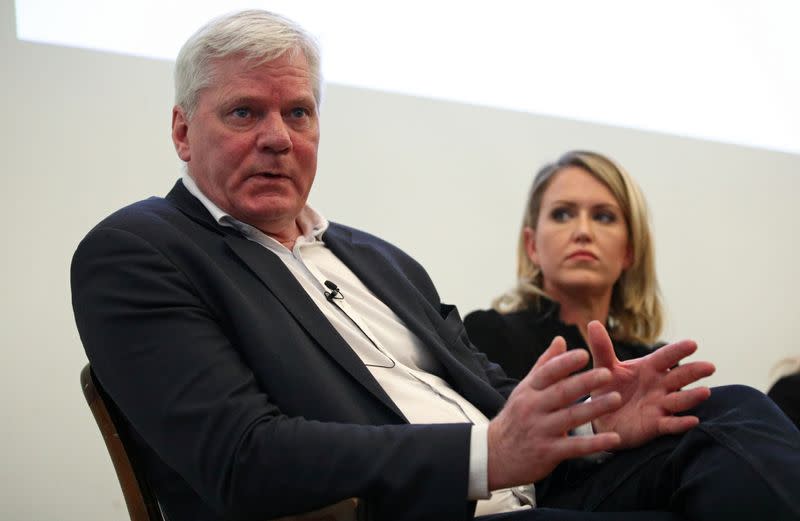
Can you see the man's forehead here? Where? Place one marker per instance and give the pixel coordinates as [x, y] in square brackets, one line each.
[289, 59]
[232, 74]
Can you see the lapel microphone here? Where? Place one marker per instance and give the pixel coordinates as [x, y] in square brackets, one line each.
[334, 293]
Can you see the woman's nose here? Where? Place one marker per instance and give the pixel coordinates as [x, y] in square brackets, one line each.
[583, 228]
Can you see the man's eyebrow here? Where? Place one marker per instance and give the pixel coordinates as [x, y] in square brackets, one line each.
[241, 100]
[302, 100]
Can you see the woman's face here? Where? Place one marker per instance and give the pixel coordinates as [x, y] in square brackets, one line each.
[581, 240]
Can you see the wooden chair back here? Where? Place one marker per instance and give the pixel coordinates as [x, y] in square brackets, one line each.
[139, 497]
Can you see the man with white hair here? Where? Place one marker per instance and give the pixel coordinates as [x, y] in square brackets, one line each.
[269, 361]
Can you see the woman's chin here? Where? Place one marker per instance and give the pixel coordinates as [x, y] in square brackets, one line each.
[585, 286]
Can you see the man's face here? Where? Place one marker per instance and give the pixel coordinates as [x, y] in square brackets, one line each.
[251, 144]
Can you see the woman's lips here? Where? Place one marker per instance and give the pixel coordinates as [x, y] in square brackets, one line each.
[582, 255]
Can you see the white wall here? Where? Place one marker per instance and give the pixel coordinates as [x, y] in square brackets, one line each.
[83, 133]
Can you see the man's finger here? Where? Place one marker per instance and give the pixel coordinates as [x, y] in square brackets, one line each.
[669, 355]
[566, 392]
[570, 447]
[557, 346]
[688, 373]
[676, 424]
[684, 400]
[577, 414]
[557, 368]
[600, 345]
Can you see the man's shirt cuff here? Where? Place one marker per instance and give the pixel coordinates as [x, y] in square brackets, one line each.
[479, 463]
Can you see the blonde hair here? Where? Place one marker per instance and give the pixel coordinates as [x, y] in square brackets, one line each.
[786, 367]
[635, 314]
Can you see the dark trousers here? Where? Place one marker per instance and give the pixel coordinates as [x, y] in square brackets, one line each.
[741, 463]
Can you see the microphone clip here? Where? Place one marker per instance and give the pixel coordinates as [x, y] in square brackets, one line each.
[334, 293]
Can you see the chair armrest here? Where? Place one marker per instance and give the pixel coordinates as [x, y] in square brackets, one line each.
[348, 510]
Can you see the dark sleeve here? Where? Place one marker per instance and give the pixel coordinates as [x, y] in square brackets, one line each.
[164, 356]
[786, 394]
[492, 335]
[495, 373]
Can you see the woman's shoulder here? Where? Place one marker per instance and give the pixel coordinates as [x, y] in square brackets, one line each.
[520, 328]
[514, 340]
[482, 323]
[492, 318]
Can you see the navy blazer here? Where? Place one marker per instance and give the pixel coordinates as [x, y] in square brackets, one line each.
[245, 401]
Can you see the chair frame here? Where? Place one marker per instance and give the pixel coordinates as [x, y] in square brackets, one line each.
[139, 496]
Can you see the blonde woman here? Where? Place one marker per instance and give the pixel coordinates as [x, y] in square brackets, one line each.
[585, 253]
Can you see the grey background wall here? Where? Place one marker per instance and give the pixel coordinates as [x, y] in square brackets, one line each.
[83, 133]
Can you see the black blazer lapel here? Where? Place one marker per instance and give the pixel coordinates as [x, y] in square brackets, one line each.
[381, 278]
[190, 206]
[277, 279]
[390, 286]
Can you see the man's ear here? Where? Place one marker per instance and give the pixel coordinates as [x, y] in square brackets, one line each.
[180, 133]
[530, 245]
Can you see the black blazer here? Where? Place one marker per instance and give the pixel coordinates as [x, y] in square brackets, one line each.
[244, 399]
[516, 340]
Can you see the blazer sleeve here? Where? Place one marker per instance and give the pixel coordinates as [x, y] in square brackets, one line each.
[162, 353]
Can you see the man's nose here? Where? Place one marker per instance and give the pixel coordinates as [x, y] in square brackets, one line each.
[273, 134]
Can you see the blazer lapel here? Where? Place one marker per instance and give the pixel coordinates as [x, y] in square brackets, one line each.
[190, 206]
[394, 290]
[277, 279]
[382, 278]
[377, 273]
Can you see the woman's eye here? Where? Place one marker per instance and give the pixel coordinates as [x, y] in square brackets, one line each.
[605, 217]
[560, 214]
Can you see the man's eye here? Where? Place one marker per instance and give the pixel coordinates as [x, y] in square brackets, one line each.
[299, 112]
[241, 112]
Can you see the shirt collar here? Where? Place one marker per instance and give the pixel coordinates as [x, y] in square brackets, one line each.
[311, 223]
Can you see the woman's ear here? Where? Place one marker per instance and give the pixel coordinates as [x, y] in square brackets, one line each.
[530, 245]
[628, 260]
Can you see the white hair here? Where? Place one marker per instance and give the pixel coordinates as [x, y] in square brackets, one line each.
[255, 35]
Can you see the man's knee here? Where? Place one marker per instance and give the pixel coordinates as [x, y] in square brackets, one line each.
[735, 396]
[742, 406]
